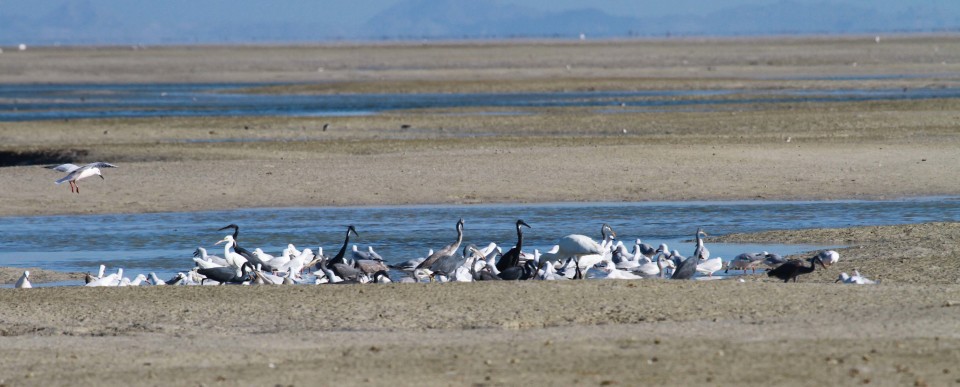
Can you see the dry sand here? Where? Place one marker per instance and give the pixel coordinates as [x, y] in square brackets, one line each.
[903, 331]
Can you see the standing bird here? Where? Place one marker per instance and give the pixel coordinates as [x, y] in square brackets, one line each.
[250, 257]
[24, 281]
[338, 265]
[701, 251]
[575, 246]
[233, 259]
[75, 173]
[688, 268]
[337, 259]
[512, 257]
[794, 268]
[445, 251]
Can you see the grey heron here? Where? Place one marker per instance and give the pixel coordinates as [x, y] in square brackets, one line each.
[688, 268]
[444, 251]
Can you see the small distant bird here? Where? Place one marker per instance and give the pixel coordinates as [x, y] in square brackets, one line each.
[75, 172]
[24, 281]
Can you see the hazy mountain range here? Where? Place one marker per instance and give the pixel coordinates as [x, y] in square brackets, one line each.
[82, 22]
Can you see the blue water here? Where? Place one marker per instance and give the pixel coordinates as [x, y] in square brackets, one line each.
[164, 242]
[77, 101]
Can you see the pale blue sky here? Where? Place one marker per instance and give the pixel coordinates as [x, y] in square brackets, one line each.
[171, 21]
[355, 12]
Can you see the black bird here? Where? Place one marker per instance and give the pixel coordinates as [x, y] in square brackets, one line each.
[519, 273]
[343, 249]
[512, 257]
[793, 268]
[338, 265]
[251, 257]
[228, 274]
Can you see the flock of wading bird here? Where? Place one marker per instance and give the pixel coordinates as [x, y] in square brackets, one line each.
[572, 257]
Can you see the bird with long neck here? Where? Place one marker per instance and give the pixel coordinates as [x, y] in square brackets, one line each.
[343, 249]
[512, 257]
[445, 251]
[793, 269]
[574, 246]
[688, 268]
[701, 251]
[246, 254]
[233, 259]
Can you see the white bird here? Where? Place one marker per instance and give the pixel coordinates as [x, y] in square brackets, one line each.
[296, 264]
[110, 280]
[201, 253]
[136, 281]
[710, 266]
[646, 267]
[856, 278]
[24, 281]
[264, 257]
[156, 280]
[75, 172]
[828, 257]
[233, 259]
[577, 247]
[609, 271]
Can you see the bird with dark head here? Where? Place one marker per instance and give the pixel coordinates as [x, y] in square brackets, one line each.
[512, 257]
[228, 274]
[338, 265]
[343, 249]
[792, 269]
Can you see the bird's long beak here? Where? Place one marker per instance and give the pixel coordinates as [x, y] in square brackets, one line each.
[101, 177]
[221, 241]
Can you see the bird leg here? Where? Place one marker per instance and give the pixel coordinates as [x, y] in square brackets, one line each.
[576, 261]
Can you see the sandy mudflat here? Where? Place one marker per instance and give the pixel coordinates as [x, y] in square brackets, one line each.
[758, 332]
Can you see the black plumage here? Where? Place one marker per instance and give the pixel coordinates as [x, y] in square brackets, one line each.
[794, 268]
[228, 274]
[512, 257]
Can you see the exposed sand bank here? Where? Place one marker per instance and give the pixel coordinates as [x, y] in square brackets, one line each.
[759, 332]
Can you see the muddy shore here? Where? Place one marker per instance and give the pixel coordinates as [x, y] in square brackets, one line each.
[756, 332]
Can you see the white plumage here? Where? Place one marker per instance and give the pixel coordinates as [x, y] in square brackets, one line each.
[76, 172]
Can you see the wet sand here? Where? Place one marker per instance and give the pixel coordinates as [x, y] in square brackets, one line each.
[903, 331]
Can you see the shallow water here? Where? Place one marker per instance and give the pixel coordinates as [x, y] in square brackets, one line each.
[164, 242]
[76, 101]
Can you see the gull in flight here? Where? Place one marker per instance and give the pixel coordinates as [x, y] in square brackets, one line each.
[75, 172]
